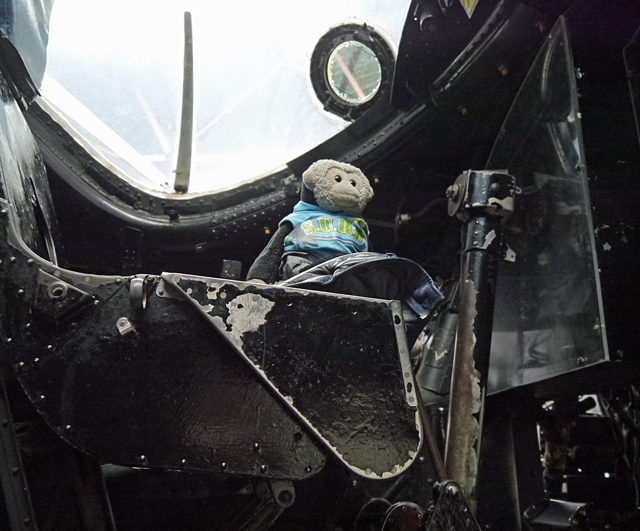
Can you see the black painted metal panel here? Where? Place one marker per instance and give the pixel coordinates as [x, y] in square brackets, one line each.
[340, 362]
[164, 391]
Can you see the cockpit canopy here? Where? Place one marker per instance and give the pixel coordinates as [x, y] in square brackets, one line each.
[271, 81]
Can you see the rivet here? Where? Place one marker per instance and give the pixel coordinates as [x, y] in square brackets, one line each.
[5, 423]
[12, 259]
[49, 347]
[223, 466]
[256, 446]
[263, 469]
[308, 469]
[9, 340]
[142, 459]
[36, 360]
[67, 428]
[30, 261]
[15, 471]
[183, 463]
[20, 292]
[161, 292]
[118, 281]
[27, 325]
[96, 303]
[42, 397]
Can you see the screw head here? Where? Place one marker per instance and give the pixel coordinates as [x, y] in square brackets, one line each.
[453, 191]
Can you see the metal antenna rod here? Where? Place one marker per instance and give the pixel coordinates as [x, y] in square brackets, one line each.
[183, 165]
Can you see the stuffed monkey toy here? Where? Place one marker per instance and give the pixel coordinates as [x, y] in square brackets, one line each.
[325, 223]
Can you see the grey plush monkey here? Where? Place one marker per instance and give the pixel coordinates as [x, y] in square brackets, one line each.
[325, 222]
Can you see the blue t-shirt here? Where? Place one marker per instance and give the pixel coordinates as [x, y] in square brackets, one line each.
[323, 234]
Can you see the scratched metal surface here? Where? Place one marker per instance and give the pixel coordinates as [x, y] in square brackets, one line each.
[333, 359]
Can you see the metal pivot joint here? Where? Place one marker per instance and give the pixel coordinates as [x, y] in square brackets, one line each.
[481, 199]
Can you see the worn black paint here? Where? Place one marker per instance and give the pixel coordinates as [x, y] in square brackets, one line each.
[336, 357]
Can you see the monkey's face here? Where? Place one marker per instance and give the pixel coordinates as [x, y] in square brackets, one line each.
[338, 189]
[346, 190]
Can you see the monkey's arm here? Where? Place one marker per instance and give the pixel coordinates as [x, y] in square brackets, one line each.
[265, 267]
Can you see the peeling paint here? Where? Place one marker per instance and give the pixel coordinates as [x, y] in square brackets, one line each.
[489, 239]
[247, 313]
[442, 354]
[505, 204]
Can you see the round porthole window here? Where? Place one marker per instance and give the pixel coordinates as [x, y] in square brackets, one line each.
[353, 72]
[351, 68]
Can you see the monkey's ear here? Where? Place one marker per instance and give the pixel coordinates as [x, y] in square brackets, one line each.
[311, 177]
[317, 172]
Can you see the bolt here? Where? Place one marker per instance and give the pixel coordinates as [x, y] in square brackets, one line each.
[285, 497]
[453, 191]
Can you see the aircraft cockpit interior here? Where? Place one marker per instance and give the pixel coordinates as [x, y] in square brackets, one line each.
[350, 266]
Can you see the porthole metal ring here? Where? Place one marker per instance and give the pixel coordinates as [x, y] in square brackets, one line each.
[351, 69]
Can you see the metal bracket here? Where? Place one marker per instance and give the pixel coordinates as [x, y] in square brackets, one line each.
[127, 330]
[451, 510]
[275, 496]
[403, 516]
[139, 288]
[56, 297]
